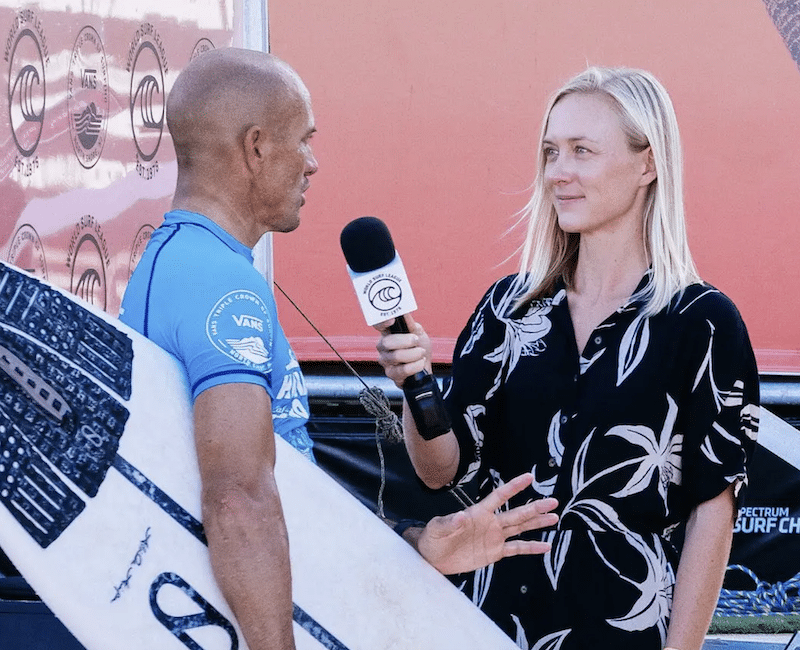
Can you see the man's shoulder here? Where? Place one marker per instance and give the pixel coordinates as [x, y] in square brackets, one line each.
[197, 259]
[187, 275]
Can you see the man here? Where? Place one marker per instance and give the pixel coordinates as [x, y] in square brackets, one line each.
[241, 122]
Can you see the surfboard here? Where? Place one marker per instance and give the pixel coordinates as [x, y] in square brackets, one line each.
[100, 504]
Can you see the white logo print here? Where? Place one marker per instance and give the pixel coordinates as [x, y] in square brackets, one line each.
[251, 348]
[239, 326]
[249, 321]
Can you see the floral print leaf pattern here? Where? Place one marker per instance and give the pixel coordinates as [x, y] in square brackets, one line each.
[482, 580]
[554, 444]
[544, 487]
[721, 398]
[476, 332]
[521, 638]
[555, 557]
[578, 469]
[730, 438]
[551, 641]
[633, 346]
[662, 455]
[471, 417]
[708, 451]
[735, 396]
[481, 584]
[597, 515]
[652, 607]
[750, 417]
[523, 336]
[585, 364]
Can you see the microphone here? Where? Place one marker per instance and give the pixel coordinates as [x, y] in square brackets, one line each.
[383, 291]
[377, 272]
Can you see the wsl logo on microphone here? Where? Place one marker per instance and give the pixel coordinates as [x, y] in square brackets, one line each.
[87, 85]
[385, 294]
[147, 64]
[27, 56]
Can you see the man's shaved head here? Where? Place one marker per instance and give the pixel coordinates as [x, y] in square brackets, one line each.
[241, 122]
[223, 92]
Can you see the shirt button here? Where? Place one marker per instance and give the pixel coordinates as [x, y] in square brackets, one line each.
[598, 340]
[551, 462]
[523, 589]
[564, 419]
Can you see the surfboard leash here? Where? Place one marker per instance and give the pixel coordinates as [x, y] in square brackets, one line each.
[374, 401]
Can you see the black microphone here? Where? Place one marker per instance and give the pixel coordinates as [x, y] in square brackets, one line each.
[383, 292]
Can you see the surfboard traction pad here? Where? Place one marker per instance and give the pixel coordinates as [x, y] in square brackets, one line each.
[63, 415]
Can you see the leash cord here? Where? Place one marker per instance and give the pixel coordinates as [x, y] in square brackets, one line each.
[374, 401]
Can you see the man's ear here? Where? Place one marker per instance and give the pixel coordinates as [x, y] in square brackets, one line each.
[256, 146]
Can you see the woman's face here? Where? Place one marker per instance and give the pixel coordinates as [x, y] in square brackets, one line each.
[596, 183]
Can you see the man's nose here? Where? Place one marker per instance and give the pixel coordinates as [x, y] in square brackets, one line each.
[311, 165]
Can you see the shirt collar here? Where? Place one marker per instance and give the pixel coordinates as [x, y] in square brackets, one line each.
[175, 217]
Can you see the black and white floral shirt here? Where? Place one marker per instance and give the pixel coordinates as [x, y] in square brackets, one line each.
[654, 417]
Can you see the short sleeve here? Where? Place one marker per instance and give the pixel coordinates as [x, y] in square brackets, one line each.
[471, 393]
[720, 416]
[228, 341]
[217, 321]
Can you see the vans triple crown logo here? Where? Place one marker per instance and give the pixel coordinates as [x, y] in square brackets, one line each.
[238, 325]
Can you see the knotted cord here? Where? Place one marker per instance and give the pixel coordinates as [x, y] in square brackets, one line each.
[374, 400]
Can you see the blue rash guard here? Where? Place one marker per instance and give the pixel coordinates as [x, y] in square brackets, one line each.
[196, 294]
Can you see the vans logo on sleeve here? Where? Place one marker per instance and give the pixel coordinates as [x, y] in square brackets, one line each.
[239, 327]
[244, 320]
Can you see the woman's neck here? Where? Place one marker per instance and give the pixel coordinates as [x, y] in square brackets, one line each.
[608, 269]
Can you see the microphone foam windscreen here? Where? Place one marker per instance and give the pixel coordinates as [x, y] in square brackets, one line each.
[367, 244]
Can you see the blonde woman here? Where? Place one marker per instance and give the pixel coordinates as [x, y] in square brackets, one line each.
[613, 373]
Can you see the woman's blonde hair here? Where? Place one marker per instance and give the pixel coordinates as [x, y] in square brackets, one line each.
[648, 120]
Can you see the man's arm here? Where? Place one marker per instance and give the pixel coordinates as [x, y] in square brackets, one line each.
[704, 557]
[242, 512]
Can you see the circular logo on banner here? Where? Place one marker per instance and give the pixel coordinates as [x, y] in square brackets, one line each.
[201, 47]
[147, 65]
[87, 85]
[239, 327]
[26, 53]
[26, 251]
[87, 260]
[139, 244]
[385, 294]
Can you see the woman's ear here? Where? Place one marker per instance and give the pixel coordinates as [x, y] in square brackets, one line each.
[650, 173]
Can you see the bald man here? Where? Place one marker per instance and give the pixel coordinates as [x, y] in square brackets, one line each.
[241, 123]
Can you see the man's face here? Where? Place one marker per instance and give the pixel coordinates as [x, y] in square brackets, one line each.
[289, 163]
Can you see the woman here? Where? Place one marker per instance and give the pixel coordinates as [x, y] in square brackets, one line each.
[608, 369]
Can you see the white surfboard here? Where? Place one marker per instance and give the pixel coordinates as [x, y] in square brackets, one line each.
[100, 504]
